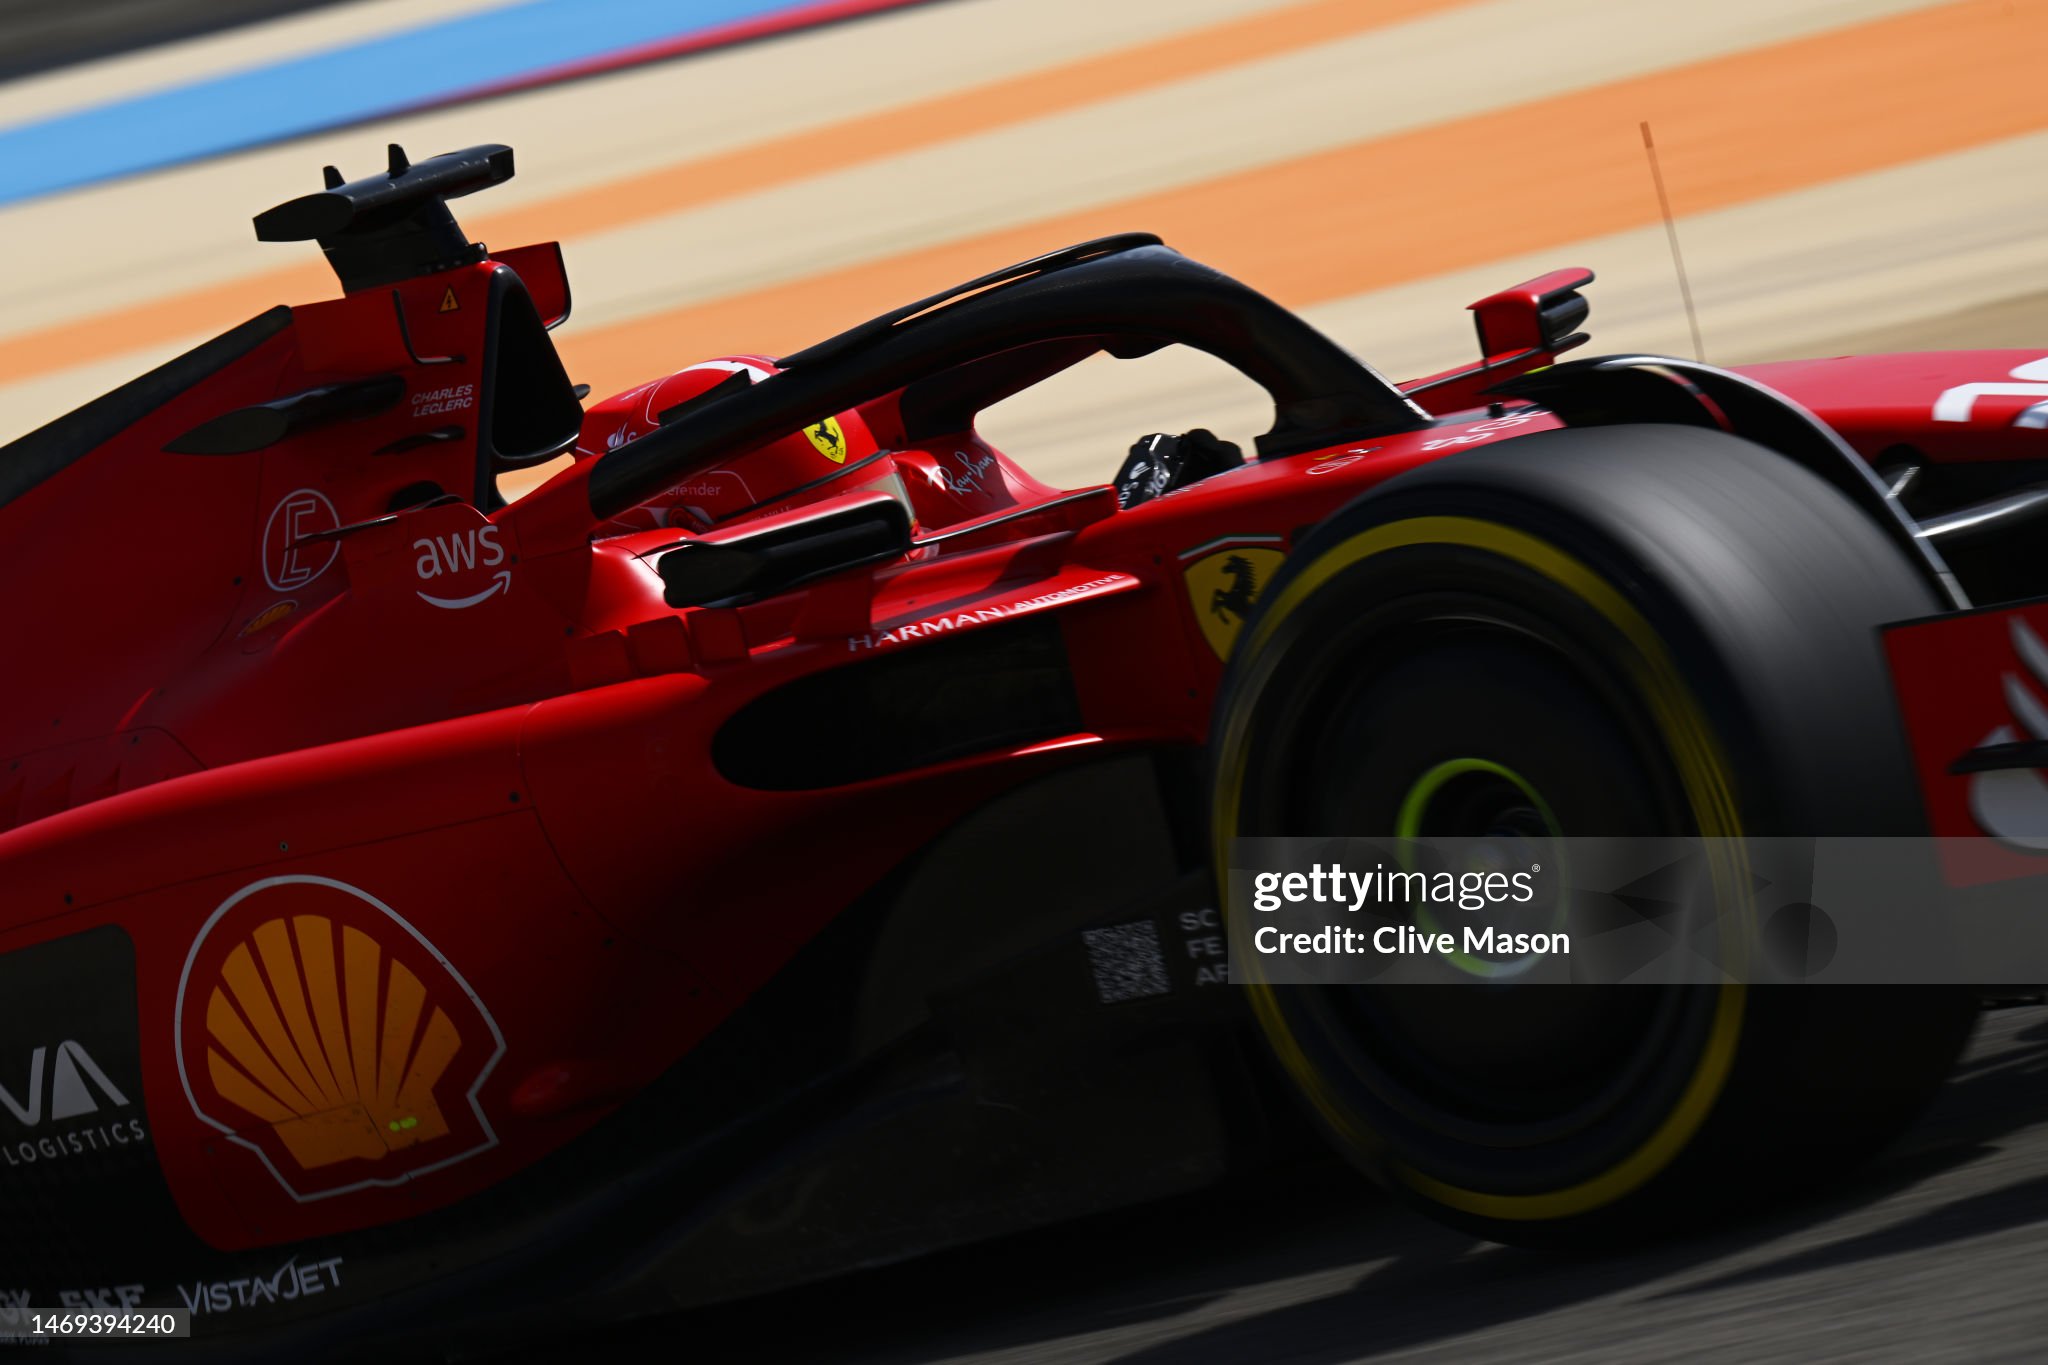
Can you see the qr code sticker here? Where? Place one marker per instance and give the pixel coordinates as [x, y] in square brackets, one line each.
[1127, 961]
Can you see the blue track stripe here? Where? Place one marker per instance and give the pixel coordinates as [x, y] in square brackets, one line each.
[345, 85]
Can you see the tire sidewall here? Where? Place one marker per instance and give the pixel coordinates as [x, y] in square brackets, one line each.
[1738, 596]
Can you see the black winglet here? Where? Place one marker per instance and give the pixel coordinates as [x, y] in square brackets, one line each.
[393, 225]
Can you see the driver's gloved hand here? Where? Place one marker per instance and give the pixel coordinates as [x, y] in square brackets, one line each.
[1160, 463]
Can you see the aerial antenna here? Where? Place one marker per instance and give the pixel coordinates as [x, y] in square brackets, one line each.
[1692, 317]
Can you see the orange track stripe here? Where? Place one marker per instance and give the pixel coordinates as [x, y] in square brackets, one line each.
[744, 170]
[1730, 130]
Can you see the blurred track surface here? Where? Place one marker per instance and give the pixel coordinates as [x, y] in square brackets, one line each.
[42, 36]
[1933, 1253]
[1842, 168]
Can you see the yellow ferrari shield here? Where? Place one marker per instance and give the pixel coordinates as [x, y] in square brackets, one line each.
[1223, 587]
[829, 439]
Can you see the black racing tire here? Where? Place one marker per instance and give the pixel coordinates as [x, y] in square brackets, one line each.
[1669, 630]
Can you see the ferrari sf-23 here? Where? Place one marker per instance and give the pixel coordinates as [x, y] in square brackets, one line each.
[786, 838]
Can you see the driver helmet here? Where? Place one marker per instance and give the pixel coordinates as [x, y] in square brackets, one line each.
[831, 457]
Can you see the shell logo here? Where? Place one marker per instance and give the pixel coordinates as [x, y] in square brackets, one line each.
[323, 1032]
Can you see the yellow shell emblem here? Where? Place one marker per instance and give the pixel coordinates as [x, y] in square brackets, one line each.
[338, 1051]
[829, 439]
[1224, 586]
[320, 1030]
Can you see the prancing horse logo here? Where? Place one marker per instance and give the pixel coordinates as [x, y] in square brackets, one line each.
[1243, 593]
[829, 439]
[1225, 579]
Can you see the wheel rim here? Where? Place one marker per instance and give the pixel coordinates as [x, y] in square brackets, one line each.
[1531, 1169]
[1419, 803]
[1557, 1065]
[1479, 798]
[1575, 1052]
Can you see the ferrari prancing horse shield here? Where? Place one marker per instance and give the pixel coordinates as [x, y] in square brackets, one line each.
[1226, 583]
[829, 439]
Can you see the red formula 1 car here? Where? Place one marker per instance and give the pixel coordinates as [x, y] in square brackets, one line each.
[783, 840]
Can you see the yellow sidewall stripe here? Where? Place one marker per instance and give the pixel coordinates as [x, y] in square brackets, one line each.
[1708, 790]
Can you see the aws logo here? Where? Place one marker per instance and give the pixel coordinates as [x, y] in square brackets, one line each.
[321, 1031]
[459, 556]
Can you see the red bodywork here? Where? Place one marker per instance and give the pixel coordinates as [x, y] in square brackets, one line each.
[417, 827]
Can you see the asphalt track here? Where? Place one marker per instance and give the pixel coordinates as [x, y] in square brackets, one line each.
[41, 36]
[1934, 1252]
